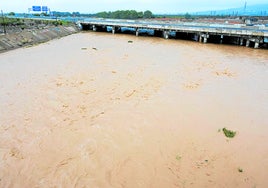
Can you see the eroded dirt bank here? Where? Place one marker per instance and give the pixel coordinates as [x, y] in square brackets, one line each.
[97, 110]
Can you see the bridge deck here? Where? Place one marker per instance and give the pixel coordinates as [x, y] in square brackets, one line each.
[225, 29]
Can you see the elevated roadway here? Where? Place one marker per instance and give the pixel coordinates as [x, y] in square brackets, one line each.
[240, 33]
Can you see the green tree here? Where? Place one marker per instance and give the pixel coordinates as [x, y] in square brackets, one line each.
[147, 14]
[102, 14]
[44, 14]
[76, 14]
[187, 16]
[140, 14]
[11, 14]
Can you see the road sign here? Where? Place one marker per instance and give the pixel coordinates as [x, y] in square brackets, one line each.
[44, 8]
[36, 8]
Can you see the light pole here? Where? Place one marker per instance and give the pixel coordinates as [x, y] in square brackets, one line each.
[4, 24]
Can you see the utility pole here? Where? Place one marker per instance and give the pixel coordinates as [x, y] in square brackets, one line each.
[4, 24]
[245, 6]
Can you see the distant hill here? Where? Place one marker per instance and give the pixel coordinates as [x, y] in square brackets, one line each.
[252, 10]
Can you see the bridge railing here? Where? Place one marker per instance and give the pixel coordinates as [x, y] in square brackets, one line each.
[185, 27]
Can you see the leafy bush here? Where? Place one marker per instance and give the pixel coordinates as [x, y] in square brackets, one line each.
[229, 133]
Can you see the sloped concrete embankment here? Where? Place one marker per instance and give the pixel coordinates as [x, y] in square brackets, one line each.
[34, 36]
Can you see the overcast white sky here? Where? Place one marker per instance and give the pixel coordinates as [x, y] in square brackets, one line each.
[156, 6]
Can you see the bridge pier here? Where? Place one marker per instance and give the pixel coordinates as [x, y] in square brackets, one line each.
[165, 34]
[257, 43]
[205, 39]
[137, 32]
[247, 43]
[221, 39]
[113, 30]
[205, 36]
[116, 29]
[241, 41]
[200, 38]
[94, 28]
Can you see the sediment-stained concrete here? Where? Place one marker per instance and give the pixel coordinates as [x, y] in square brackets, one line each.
[28, 37]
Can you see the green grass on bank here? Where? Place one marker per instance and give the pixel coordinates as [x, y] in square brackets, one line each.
[31, 22]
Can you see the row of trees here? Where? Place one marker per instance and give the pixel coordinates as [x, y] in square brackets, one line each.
[119, 14]
[125, 14]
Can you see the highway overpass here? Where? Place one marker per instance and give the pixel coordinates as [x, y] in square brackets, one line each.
[237, 34]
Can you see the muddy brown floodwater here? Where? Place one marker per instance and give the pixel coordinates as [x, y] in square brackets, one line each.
[103, 110]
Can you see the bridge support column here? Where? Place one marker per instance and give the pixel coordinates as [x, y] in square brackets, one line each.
[205, 36]
[205, 39]
[94, 28]
[241, 41]
[137, 32]
[247, 43]
[257, 43]
[165, 34]
[113, 30]
[221, 40]
[116, 29]
[200, 38]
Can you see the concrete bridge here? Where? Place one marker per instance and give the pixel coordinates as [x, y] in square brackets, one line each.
[217, 33]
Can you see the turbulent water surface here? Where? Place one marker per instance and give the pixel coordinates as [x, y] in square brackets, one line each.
[103, 110]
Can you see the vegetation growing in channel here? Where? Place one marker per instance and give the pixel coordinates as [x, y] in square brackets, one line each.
[229, 133]
[11, 21]
[178, 157]
[240, 170]
[125, 14]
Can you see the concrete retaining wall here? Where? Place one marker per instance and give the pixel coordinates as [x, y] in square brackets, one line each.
[34, 36]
